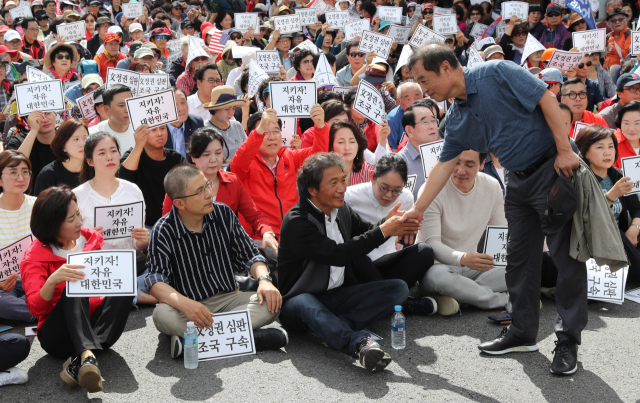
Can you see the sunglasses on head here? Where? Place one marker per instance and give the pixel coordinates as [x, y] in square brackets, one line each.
[581, 65]
[357, 54]
[162, 37]
[236, 36]
[61, 56]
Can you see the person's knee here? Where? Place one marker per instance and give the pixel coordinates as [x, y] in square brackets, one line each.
[425, 255]
[398, 289]
[165, 318]
[260, 315]
[23, 347]
[437, 276]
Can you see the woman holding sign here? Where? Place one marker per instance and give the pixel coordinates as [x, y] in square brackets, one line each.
[68, 327]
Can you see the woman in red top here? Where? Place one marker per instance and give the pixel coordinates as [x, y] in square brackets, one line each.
[206, 151]
[68, 327]
[628, 133]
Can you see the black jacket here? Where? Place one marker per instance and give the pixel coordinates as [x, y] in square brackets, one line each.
[305, 253]
[192, 124]
[94, 44]
[176, 68]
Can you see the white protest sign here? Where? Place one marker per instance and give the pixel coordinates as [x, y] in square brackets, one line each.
[430, 154]
[337, 19]
[131, 11]
[256, 77]
[118, 221]
[322, 7]
[577, 127]
[594, 4]
[195, 51]
[411, 182]
[293, 98]
[173, 57]
[631, 168]
[152, 83]
[244, 21]
[478, 29]
[518, 8]
[341, 90]
[531, 46]
[635, 43]
[238, 51]
[442, 11]
[73, 31]
[230, 335]
[35, 75]
[594, 40]
[474, 58]
[604, 285]
[308, 16]
[495, 244]
[269, 61]
[109, 273]
[11, 256]
[323, 74]
[390, 14]
[125, 77]
[287, 23]
[563, 60]
[378, 43]
[288, 131]
[174, 45]
[152, 110]
[21, 12]
[445, 24]
[307, 44]
[399, 34]
[500, 30]
[355, 28]
[44, 96]
[424, 35]
[87, 107]
[403, 60]
[633, 295]
[368, 102]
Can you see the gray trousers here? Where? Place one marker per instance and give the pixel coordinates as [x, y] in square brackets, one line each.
[13, 307]
[525, 206]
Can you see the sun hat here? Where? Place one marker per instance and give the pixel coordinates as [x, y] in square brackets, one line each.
[223, 97]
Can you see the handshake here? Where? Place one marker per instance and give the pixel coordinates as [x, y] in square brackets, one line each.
[396, 226]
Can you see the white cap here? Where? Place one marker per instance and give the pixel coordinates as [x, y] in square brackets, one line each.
[11, 35]
[115, 28]
[136, 26]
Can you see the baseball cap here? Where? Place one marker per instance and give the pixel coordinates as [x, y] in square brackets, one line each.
[546, 55]
[4, 49]
[102, 20]
[186, 24]
[115, 28]
[133, 46]
[95, 3]
[627, 80]
[91, 79]
[31, 63]
[136, 26]
[492, 50]
[142, 52]
[11, 35]
[40, 15]
[554, 8]
[88, 67]
[110, 37]
[374, 74]
[551, 76]
[3, 29]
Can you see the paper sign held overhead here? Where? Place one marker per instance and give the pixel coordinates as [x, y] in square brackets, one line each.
[480, 43]
[125, 77]
[44, 96]
[109, 273]
[430, 154]
[131, 11]
[256, 77]
[11, 256]
[531, 46]
[631, 168]
[230, 335]
[390, 14]
[576, 129]
[424, 35]
[399, 34]
[635, 43]
[474, 58]
[445, 24]
[323, 74]
[407, 51]
[478, 29]
[369, 102]
[495, 244]
[500, 31]
[355, 28]
[307, 44]
[288, 131]
[308, 16]
[287, 24]
[375, 42]
[152, 110]
[594, 40]
[73, 31]
[518, 8]
[195, 50]
[269, 61]
[151, 83]
[563, 60]
[341, 90]
[22, 11]
[337, 19]
[244, 21]
[238, 51]
[118, 221]
[603, 285]
[293, 98]
[442, 11]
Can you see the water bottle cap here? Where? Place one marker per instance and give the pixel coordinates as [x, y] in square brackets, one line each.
[190, 324]
[398, 308]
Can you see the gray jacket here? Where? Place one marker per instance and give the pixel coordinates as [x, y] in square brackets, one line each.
[607, 86]
[594, 233]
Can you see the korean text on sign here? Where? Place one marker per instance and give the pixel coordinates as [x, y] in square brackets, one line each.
[563, 61]
[87, 107]
[337, 19]
[399, 34]
[590, 41]
[308, 16]
[604, 285]
[411, 182]
[390, 14]
[288, 131]
[11, 256]
[518, 8]
[288, 23]
[131, 11]
[631, 169]
[577, 127]
[152, 83]
[35, 75]
[430, 154]
[368, 102]
[269, 60]
[635, 43]
[292, 98]
[355, 28]
[153, 110]
[23, 11]
[45, 96]
[424, 35]
[125, 77]
[107, 273]
[230, 335]
[445, 24]
[495, 244]
[73, 31]
[375, 42]
[119, 221]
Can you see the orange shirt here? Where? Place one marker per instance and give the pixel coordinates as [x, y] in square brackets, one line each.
[589, 118]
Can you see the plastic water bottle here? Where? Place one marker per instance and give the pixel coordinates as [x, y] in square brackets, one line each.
[398, 334]
[191, 346]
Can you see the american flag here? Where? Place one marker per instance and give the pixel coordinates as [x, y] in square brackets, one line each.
[218, 40]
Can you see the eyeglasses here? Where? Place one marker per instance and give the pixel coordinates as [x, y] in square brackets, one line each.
[273, 133]
[308, 61]
[61, 56]
[208, 186]
[236, 36]
[633, 90]
[357, 54]
[162, 37]
[427, 12]
[553, 15]
[574, 95]
[617, 20]
[14, 175]
[581, 65]
[386, 190]
[213, 80]
[431, 122]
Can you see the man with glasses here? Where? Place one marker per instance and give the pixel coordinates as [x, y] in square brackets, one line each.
[30, 43]
[198, 281]
[356, 60]
[581, 71]
[557, 32]
[282, 44]
[609, 7]
[619, 40]
[574, 95]
[176, 11]
[207, 78]
[628, 89]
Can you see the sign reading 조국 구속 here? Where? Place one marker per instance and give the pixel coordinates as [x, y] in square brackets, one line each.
[292, 98]
[152, 110]
[107, 273]
[287, 24]
[269, 61]
[308, 16]
[230, 335]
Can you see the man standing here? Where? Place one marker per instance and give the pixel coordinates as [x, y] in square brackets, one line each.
[30, 43]
[522, 125]
[111, 54]
[619, 40]
[628, 89]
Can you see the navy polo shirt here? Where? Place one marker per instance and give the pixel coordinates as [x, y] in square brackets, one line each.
[500, 115]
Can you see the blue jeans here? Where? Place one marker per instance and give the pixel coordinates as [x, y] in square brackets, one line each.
[339, 315]
[141, 286]
[12, 305]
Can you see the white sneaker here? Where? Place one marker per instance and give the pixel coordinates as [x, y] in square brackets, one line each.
[447, 306]
[13, 376]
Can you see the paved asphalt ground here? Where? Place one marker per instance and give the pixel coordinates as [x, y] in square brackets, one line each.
[440, 364]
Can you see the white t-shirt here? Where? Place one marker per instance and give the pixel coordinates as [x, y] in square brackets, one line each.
[76, 249]
[125, 140]
[16, 224]
[89, 199]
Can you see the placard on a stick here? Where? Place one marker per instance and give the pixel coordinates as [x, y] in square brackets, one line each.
[631, 168]
[269, 61]
[231, 335]
[287, 24]
[152, 110]
[308, 16]
[292, 98]
[107, 273]
[594, 40]
[354, 29]
[424, 35]
[445, 24]
[369, 102]
[430, 154]
[73, 31]
[563, 60]
[378, 43]
[118, 221]
[495, 244]
[390, 14]
[11, 256]
[44, 96]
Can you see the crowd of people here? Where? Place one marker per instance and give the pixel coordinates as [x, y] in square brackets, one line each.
[331, 231]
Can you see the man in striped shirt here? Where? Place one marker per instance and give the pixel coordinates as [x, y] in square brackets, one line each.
[194, 252]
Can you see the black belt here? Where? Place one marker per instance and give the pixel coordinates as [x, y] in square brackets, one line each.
[534, 167]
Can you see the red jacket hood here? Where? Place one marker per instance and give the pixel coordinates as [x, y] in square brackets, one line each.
[38, 252]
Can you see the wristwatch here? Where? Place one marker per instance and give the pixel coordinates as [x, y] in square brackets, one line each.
[636, 225]
[265, 277]
[273, 234]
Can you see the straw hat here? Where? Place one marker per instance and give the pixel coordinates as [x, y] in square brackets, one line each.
[71, 49]
[223, 97]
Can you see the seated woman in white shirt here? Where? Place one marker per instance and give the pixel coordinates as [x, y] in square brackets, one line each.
[100, 187]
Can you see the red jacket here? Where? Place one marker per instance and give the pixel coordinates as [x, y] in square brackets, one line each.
[273, 194]
[624, 149]
[39, 263]
[607, 102]
[370, 131]
[235, 195]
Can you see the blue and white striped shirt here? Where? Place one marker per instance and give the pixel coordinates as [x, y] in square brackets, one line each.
[199, 265]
